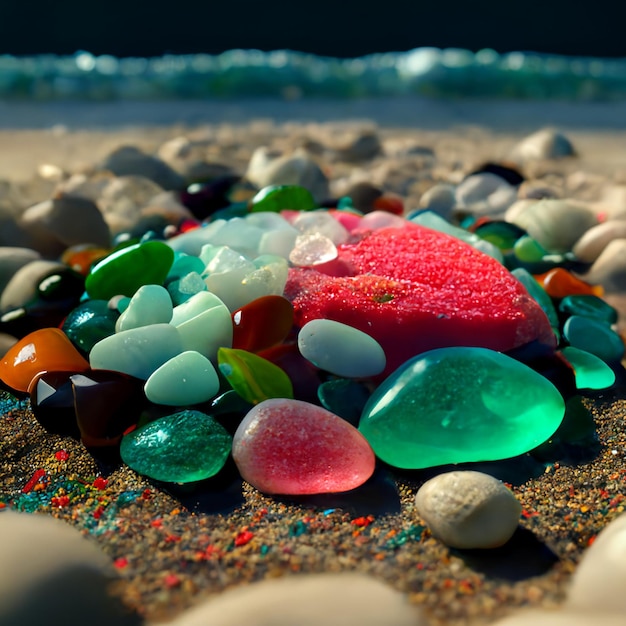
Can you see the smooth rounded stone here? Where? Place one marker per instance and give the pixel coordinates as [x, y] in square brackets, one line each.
[439, 199]
[137, 352]
[122, 198]
[13, 259]
[291, 447]
[456, 405]
[595, 337]
[307, 600]
[46, 349]
[468, 510]
[65, 221]
[559, 283]
[184, 447]
[89, 323]
[590, 246]
[599, 580]
[52, 402]
[22, 286]
[609, 269]
[380, 219]
[502, 234]
[262, 323]
[265, 169]
[128, 269]
[341, 349]
[151, 304]
[589, 306]
[254, 378]
[484, 194]
[43, 558]
[590, 371]
[560, 617]
[204, 324]
[364, 147]
[363, 195]
[193, 241]
[238, 234]
[555, 224]
[131, 161]
[543, 144]
[187, 378]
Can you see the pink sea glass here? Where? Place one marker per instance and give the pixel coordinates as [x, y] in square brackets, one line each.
[291, 447]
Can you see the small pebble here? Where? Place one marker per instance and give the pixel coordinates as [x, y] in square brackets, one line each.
[467, 509]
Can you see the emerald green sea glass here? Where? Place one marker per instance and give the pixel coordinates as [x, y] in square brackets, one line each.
[276, 198]
[593, 336]
[184, 447]
[528, 250]
[540, 296]
[89, 323]
[589, 306]
[456, 405]
[124, 271]
[254, 378]
[590, 371]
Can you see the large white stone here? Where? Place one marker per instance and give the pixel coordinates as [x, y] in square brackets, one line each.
[599, 581]
[329, 599]
[53, 575]
[561, 618]
[467, 509]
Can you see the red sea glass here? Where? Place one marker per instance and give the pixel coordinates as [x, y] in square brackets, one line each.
[262, 323]
[415, 289]
[47, 349]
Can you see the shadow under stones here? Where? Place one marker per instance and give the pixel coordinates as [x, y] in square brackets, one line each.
[378, 496]
[220, 494]
[522, 557]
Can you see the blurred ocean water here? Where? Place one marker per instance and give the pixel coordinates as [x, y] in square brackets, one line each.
[427, 72]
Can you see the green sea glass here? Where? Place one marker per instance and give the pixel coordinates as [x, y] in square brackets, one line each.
[89, 323]
[593, 336]
[456, 405]
[181, 448]
[538, 293]
[276, 198]
[254, 378]
[588, 306]
[590, 371]
[124, 271]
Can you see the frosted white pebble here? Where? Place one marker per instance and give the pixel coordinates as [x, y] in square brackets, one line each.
[467, 509]
[341, 349]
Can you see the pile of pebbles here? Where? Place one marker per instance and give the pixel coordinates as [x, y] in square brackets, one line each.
[131, 191]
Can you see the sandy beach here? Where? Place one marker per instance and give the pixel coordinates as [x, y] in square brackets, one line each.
[174, 546]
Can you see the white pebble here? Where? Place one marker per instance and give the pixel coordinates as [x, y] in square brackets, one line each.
[308, 600]
[341, 349]
[467, 509]
[600, 579]
[51, 574]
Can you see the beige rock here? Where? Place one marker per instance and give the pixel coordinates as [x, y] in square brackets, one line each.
[544, 144]
[609, 269]
[589, 247]
[296, 169]
[23, 285]
[330, 599]
[12, 259]
[57, 224]
[440, 199]
[600, 578]
[560, 618]
[52, 575]
[467, 509]
[556, 224]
